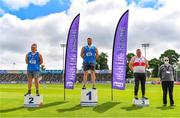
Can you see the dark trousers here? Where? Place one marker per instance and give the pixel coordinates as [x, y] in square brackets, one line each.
[139, 77]
[168, 86]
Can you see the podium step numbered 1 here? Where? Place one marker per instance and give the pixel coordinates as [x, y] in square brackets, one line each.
[141, 102]
[89, 97]
[33, 101]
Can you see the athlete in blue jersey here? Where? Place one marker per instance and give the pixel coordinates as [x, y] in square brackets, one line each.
[33, 60]
[89, 54]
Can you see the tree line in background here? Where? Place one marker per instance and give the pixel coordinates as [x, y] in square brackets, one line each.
[154, 63]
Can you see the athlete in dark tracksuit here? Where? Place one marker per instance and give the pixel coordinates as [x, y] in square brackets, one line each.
[167, 76]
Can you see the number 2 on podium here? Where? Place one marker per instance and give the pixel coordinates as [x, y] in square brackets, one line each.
[31, 100]
[89, 94]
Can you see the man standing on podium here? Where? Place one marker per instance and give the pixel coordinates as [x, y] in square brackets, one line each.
[33, 60]
[138, 65]
[89, 53]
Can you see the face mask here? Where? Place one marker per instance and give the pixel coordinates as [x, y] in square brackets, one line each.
[166, 62]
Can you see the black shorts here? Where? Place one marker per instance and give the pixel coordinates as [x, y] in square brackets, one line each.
[140, 76]
[89, 66]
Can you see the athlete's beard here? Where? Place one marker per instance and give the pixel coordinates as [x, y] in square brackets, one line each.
[89, 44]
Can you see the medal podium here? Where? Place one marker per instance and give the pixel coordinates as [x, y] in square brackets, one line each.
[141, 102]
[89, 97]
[33, 101]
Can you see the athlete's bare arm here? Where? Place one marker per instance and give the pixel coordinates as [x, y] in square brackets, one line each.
[82, 52]
[26, 59]
[97, 53]
[41, 58]
[131, 63]
[147, 64]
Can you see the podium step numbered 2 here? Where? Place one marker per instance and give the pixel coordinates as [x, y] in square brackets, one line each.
[89, 97]
[33, 101]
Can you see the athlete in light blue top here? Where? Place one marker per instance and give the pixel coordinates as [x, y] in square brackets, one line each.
[34, 60]
[89, 54]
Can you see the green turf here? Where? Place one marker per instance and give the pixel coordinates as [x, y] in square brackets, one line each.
[11, 102]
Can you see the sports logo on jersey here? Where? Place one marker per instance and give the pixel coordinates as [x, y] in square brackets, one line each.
[89, 54]
[32, 61]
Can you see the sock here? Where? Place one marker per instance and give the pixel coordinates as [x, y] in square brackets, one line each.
[29, 91]
[37, 91]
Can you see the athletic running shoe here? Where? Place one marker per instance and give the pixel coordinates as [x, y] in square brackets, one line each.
[144, 98]
[136, 97]
[164, 105]
[84, 87]
[27, 94]
[93, 87]
[37, 94]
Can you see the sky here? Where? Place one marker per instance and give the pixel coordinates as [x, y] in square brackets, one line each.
[46, 22]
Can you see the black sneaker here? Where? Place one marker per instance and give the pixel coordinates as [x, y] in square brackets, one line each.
[27, 94]
[94, 87]
[144, 98]
[37, 94]
[84, 87]
[164, 105]
[136, 98]
[172, 105]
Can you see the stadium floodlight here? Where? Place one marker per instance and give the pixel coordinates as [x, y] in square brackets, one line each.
[145, 46]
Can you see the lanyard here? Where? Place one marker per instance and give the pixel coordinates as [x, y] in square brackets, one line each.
[167, 67]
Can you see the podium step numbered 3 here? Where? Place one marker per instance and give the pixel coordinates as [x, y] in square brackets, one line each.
[141, 102]
[33, 101]
[89, 97]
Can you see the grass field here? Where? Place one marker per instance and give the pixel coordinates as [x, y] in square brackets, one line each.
[11, 102]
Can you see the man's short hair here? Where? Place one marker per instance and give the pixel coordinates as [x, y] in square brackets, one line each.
[89, 38]
[138, 49]
[34, 45]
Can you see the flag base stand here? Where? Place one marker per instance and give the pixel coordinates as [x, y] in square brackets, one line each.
[33, 101]
[141, 102]
[89, 97]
